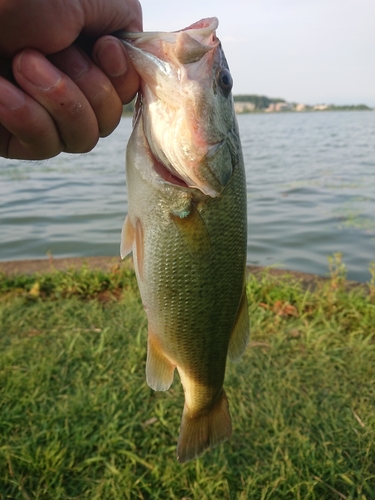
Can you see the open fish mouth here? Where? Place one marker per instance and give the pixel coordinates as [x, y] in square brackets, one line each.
[181, 74]
[167, 176]
[171, 176]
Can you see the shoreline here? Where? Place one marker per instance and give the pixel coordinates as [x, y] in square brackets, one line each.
[106, 263]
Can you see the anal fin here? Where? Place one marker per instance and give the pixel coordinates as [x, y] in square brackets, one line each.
[241, 331]
[159, 369]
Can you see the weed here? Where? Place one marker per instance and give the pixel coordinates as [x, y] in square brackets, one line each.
[77, 420]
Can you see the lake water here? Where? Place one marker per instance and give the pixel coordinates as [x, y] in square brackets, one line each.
[310, 184]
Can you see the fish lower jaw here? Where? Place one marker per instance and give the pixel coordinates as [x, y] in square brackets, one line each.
[173, 178]
[167, 176]
[170, 175]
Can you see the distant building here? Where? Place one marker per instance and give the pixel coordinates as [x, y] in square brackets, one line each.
[270, 108]
[251, 103]
[279, 106]
[244, 107]
[320, 107]
[283, 106]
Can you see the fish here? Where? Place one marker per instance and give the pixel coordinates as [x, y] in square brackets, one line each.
[187, 223]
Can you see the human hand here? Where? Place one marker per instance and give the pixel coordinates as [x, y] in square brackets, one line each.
[53, 96]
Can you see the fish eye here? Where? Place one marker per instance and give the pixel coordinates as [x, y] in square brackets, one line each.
[225, 81]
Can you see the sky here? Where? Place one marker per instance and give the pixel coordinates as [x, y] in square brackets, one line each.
[306, 51]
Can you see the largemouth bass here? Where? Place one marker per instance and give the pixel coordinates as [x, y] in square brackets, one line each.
[187, 223]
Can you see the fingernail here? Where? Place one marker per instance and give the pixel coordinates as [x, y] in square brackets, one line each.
[111, 58]
[38, 70]
[10, 96]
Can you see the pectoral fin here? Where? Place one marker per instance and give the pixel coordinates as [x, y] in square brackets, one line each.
[159, 369]
[139, 248]
[127, 237]
[132, 239]
[241, 331]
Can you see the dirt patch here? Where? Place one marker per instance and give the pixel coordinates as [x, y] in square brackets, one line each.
[51, 264]
[107, 263]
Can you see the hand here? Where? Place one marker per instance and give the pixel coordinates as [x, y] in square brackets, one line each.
[53, 96]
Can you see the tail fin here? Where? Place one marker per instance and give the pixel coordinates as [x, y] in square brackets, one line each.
[204, 431]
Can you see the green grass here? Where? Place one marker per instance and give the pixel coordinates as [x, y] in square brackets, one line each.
[77, 420]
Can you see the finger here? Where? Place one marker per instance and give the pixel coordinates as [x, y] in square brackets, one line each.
[94, 84]
[54, 91]
[112, 57]
[27, 131]
[125, 15]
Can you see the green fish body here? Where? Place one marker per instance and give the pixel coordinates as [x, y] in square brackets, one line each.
[187, 224]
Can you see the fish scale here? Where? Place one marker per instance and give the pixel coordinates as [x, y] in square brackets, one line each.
[189, 242]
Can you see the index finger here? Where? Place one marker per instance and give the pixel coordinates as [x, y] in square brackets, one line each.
[112, 57]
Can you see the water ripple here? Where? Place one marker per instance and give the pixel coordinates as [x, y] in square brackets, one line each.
[310, 183]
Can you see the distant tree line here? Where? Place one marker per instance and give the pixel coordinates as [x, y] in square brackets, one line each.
[358, 107]
[259, 101]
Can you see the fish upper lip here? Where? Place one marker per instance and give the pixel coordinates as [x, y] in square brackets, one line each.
[212, 24]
